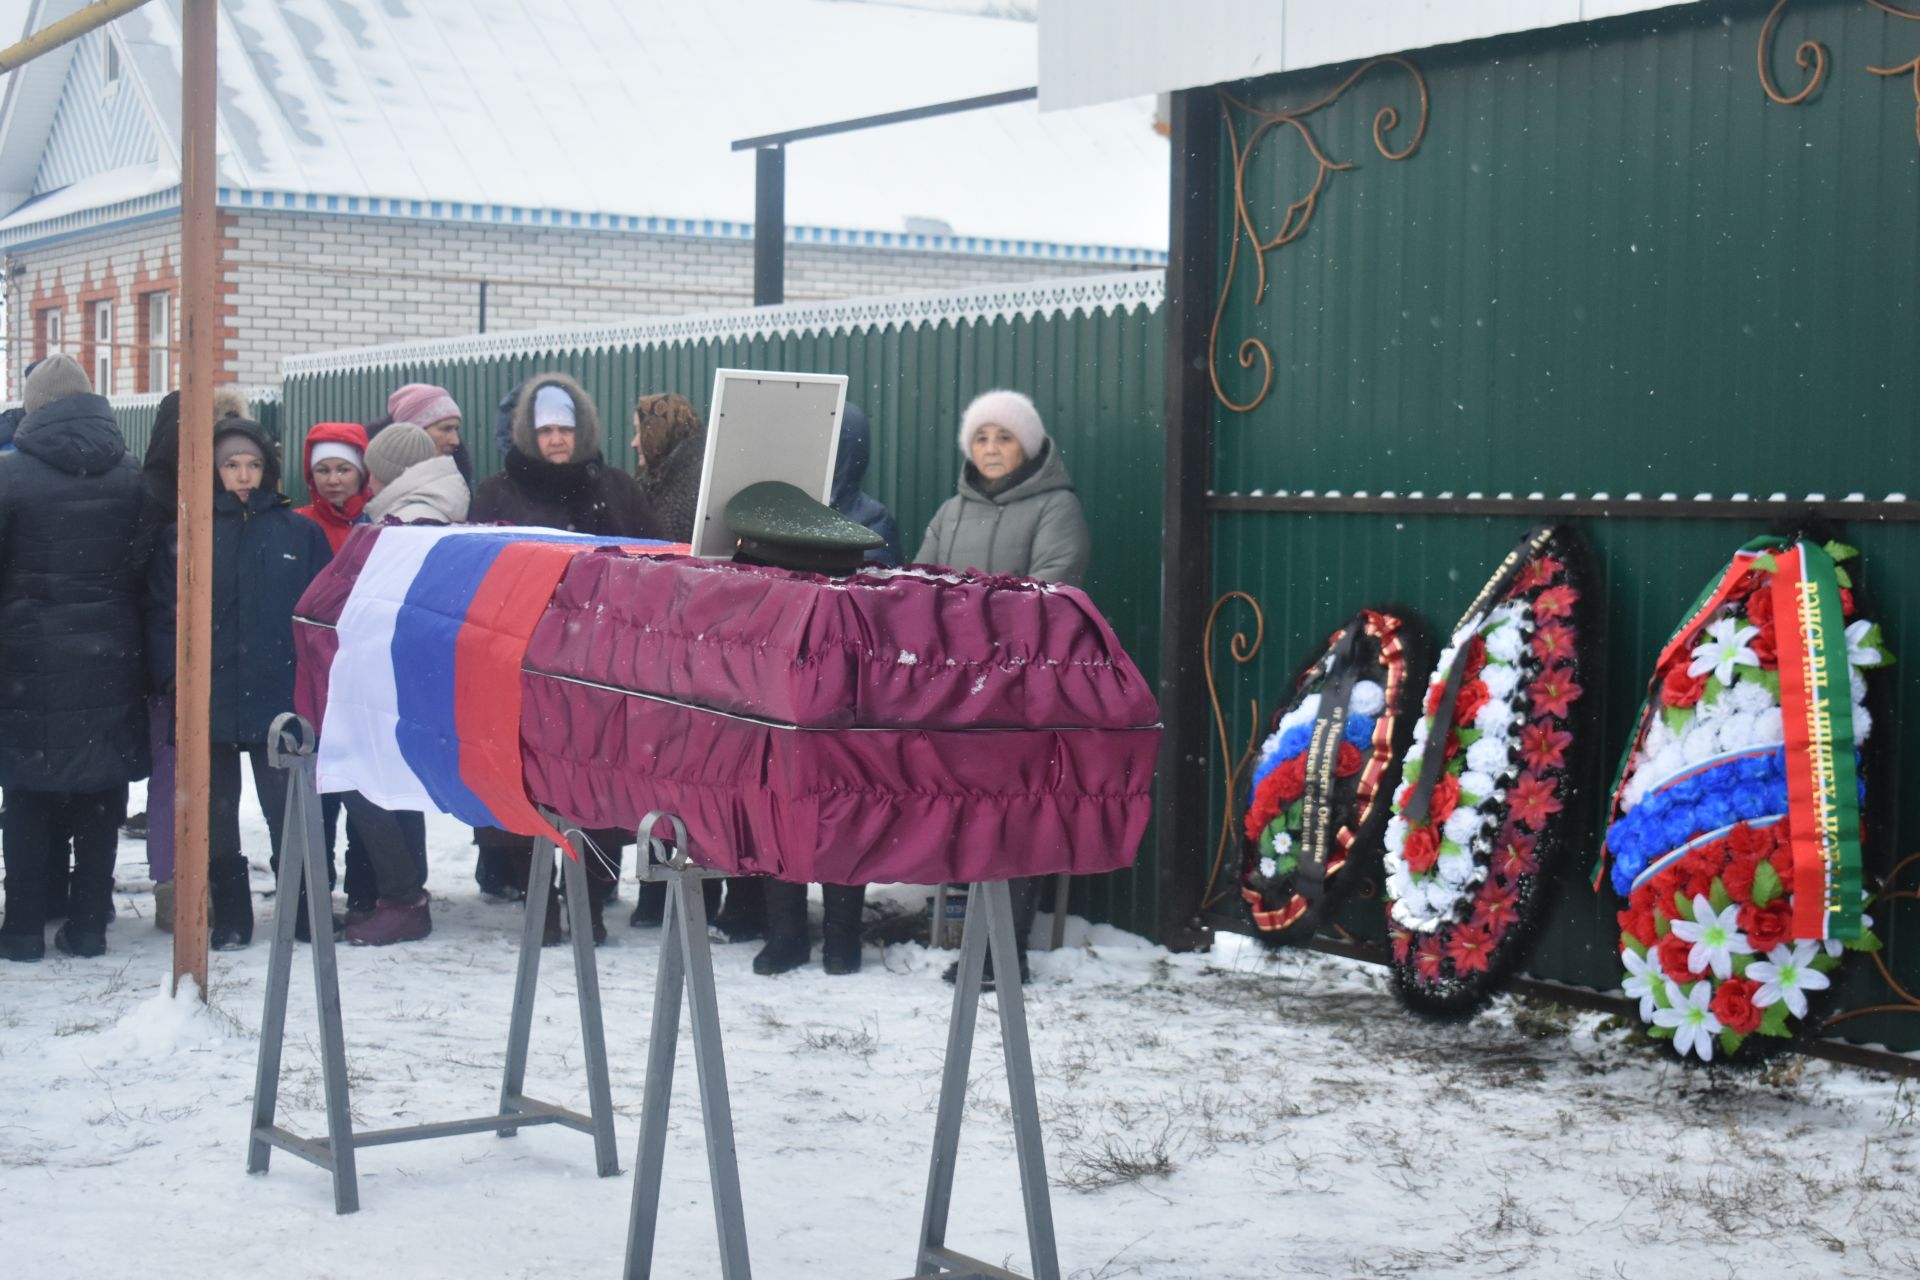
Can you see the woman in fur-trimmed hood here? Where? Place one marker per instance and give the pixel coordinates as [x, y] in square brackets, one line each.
[555, 474]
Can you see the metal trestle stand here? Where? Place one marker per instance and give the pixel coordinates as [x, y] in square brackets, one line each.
[303, 856]
[686, 961]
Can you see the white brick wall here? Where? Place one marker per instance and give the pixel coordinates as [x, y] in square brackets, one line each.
[306, 282]
[78, 267]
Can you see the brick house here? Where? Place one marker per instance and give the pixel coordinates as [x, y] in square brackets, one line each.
[394, 172]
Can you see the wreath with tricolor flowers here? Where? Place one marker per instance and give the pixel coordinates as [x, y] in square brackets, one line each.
[1319, 782]
[1735, 822]
[1475, 832]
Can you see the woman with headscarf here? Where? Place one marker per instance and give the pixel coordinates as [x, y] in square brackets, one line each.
[1015, 513]
[669, 448]
[556, 477]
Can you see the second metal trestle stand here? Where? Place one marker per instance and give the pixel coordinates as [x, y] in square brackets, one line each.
[303, 857]
[686, 963]
[989, 926]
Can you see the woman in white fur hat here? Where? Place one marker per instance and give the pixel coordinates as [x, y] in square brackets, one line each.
[1015, 511]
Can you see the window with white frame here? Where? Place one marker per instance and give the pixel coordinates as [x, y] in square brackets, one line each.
[50, 331]
[159, 340]
[103, 348]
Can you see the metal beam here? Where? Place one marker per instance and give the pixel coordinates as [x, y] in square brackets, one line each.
[888, 117]
[1186, 567]
[199, 322]
[769, 226]
[65, 31]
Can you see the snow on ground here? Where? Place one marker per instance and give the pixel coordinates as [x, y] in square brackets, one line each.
[1206, 1115]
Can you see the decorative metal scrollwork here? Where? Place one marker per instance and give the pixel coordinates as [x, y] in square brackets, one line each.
[1243, 651]
[1293, 223]
[1810, 55]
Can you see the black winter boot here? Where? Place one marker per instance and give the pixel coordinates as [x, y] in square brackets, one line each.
[840, 933]
[787, 945]
[651, 908]
[23, 948]
[232, 899]
[75, 942]
[744, 917]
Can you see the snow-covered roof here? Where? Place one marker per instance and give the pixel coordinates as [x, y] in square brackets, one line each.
[1095, 51]
[617, 108]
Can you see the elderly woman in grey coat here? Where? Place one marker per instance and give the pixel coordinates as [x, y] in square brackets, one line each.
[1015, 513]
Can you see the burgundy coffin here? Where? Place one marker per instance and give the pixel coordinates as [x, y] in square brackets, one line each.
[893, 726]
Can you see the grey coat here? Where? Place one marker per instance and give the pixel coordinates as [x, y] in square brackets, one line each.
[1033, 530]
[432, 490]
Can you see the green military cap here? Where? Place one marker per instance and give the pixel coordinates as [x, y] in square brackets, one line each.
[779, 525]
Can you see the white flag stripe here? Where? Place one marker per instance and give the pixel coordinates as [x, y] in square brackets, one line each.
[359, 746]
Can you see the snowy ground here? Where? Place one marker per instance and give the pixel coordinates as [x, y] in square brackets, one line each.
[1220, 1116]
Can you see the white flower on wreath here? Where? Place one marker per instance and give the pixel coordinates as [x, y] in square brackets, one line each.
[1282, 843]
[1400, 885]
[1787, 974]
[1750, 695]
[1495, 720]
[1475, 783]
[1486, 757]
[1701, 743]
[1506, 644]
[1368, 699]
[1862, 723]
[1268, 867]
[1715, 935]
[1501, 680]
[1859, 652]
[1396, 836]
[1727, 646]
[1462, 825]
[1856, 684]
[1771, 730]
[1693, 1023]
[1305, 713]
[1421, 728]
[1643, 977]
[1454, 870]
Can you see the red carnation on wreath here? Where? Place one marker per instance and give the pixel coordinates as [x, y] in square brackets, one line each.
[1673, 951]
[1422, 848]
[1680, 689]
[1733, 1004]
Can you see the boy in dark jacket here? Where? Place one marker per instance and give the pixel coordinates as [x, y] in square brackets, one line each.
[264, 556]
[76, 532]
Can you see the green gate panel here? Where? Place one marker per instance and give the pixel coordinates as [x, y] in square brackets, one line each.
[1613, 266]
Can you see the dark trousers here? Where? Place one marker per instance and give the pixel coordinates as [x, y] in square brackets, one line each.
[361, 882]
[506, 859]
[32, 818]
[393, 847]
[223, 799]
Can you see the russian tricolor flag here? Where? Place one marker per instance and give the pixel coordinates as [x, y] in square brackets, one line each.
[423, 704]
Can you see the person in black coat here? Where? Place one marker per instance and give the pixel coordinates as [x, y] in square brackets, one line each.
[264, 556]
[670, 450]
[76, 533]
[842, 904]
[555, 477]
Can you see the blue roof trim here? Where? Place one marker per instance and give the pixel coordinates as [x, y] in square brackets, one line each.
[495, 214]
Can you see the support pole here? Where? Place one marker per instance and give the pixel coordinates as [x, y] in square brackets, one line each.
[1186, 566]
[769, 226]
[68, 29]
[199, 319]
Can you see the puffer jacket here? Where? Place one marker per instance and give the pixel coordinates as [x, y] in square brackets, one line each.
[264, 556]
[584, 495]
[335, 522]
[1035, 529]
[849, 469]
[76, 534]
[433, 491]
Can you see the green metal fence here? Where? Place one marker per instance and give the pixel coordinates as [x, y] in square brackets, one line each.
[1091, 353]
[1612, 267]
